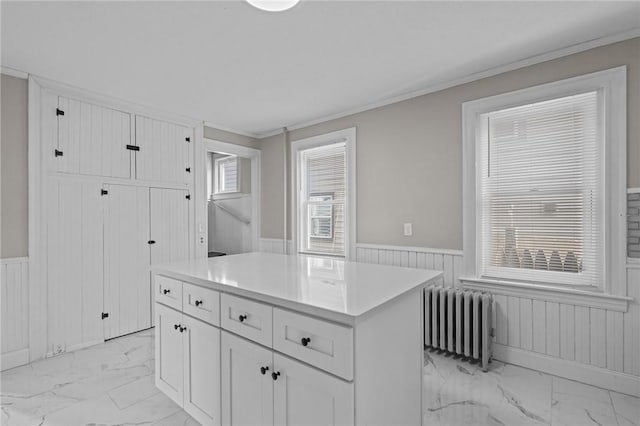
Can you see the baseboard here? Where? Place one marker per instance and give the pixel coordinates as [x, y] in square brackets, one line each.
[595, 376]
[15, 359]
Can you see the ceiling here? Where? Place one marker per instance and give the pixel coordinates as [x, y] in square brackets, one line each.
[255, 72]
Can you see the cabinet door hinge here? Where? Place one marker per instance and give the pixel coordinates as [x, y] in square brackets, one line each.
[104, 192]
[133, 148]
[187, 139]
[59, 111]
[188, 169]
[105, 315]
[188, 196]
[57, 153]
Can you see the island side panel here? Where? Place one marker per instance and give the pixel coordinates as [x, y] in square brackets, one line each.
[388, 363]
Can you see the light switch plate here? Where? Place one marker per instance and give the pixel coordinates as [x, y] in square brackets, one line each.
[408, 229]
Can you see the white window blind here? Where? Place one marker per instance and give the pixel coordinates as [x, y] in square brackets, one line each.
[322, 200]
[227, 174]
[540, 192]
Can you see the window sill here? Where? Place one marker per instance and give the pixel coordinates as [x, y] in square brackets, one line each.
[569, 296]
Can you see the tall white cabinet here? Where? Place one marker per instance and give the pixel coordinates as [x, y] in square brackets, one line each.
[118, 183]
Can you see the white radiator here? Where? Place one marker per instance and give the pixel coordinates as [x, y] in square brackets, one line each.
[459, 321]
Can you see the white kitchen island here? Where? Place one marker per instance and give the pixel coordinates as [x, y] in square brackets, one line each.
[269, 339]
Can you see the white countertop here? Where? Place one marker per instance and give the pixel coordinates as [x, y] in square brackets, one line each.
[305, 283]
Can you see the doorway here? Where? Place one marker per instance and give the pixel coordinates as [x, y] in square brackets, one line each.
[232, 198]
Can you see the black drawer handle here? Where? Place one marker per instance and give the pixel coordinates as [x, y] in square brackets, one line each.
[166, 290]
[264, 370]
[275, 375]
[305, 341]
[176, 326]
[241, 318]
[198, 302]
[182, 329]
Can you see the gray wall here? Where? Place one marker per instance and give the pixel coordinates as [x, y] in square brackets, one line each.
[234, 138]
[409, 154]
[13, 167]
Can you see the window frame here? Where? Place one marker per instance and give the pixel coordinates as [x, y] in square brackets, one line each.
[348, 136]
[613, 84]
[216, 174]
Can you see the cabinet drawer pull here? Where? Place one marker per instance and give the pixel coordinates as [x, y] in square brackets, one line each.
[176, 326]
[241, 318]
[305, 341]
[264, 370]
[182, 329]
[166, 291]
[198, 302]
[275, 375]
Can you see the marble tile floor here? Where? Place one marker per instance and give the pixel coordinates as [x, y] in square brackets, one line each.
[112, 384]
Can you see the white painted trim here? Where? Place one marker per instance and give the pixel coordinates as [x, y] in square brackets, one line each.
[349, 137]
[38, 329]
[115, 103]
[569, 296]
[595, 376]
[13, 72]
[10, 260]
[230, 130]
[450, 252]
[633, 263]
[432, 88]
[14, 359]
[633, 190]
[613, 82]
[255, 155]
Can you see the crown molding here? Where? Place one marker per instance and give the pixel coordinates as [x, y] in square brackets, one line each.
[522, 63]
[230, 130]
[13, 72]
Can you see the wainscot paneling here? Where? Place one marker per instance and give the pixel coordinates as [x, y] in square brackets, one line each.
[14, 341]
[596, 346]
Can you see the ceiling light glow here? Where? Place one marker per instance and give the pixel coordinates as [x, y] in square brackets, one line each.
[273, 5]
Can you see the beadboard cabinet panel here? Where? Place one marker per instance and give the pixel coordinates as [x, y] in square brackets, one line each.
[169, 215]
[75, 268]
[93, 139]
[127, 257]
[164, 154]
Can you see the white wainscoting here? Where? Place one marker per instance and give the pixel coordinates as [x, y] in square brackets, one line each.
[14, 342]
[597, 346]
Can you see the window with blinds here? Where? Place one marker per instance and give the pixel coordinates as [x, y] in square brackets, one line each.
[322, 199]
[540, 196]
[226, 175]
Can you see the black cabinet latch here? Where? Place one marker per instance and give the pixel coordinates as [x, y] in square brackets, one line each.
[133, 148]
[57, 153]
[151, 241]
[59, 111]
[188, 169]
[103, 192]
[188, 196]
[187, 139]
[105, 315]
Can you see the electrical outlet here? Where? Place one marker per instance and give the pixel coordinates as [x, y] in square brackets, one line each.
[408, 229]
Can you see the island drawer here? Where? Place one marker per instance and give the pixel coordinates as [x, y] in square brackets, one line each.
[320, 343]
[168, 292]
[202, 303]
[249, 319]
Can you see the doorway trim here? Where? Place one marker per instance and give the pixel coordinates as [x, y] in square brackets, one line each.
[202, 223]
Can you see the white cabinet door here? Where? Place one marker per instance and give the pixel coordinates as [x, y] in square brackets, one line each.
[127, 277]
[92, 140]
[74, 264]
[247, 394]
[169, 212]
[164, 154]
[306, 396]
[201, 371]
[169, 353]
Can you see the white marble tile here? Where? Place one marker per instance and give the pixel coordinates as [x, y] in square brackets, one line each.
[578, 404]
[627, 409]
[126, 395]
[180, 418]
